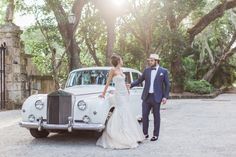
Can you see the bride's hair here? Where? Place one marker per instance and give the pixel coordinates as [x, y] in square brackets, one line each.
[115, 59]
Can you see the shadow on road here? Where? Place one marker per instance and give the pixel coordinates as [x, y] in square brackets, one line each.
[69, 139]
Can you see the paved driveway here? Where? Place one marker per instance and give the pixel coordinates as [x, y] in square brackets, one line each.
[189, 128]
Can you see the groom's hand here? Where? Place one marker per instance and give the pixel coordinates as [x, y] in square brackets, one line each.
[128, 86]
[164, 100]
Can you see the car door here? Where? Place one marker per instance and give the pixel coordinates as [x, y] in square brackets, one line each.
[135, 96]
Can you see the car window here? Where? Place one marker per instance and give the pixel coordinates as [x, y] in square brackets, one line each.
[135, 77]
[127, 77]
[88, 77]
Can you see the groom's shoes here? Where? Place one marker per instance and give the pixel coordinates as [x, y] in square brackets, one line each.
[154, 138]
[146, 136]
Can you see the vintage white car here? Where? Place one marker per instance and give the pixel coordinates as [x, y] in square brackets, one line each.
[77, 106]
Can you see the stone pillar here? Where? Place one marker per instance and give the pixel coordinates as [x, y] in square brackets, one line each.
[15, 71]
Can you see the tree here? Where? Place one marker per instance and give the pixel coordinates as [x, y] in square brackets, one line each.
[142, 23]
[156, 25]
[178, 30]
[207, 19]
[43, 41]
[109, 12]
[92, 33]
[67, 30]
[222, 49]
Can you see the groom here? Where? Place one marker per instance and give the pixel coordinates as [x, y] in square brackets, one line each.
[155, 92]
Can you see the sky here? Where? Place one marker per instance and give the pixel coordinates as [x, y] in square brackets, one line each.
[25, 21]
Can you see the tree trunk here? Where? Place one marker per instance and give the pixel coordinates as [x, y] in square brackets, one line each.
[92, 50]
[178, 75]
[54, 69]
[110, 39]
[67, 30]
[73, 49]
[176, 69]
[227, 52]
[95, 58]
[210, 73]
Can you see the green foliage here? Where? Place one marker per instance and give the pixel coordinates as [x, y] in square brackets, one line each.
[92, 34]
[3, 6]
[144, 29]
[211, 44]
[36, 45]
[130, 50]
[190, 68]
[199, 87]
[40, 38]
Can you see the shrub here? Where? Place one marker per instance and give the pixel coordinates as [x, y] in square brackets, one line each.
[199, 86]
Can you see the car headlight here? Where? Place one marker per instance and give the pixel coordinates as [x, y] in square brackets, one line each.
[82, 105]
[31, 118]
[39, 104]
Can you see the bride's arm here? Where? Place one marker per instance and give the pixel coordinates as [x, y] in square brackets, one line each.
[110, 76]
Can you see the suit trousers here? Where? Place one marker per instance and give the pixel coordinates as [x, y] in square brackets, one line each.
[148, 104]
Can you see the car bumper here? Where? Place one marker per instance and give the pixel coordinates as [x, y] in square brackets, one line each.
[74, 126]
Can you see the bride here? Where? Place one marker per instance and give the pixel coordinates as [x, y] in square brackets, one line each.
[122, 130]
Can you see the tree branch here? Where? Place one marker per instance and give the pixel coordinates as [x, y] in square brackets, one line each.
[180, 18]
[171, 20]
[61, 17]
[92, 50]
[77, 10]
[226, 54]
[231, 42]
[215, 13]
[132, 30]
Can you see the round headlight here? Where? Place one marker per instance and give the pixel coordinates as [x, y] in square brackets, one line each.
[39, 104]
[31, 118]
[82, 105]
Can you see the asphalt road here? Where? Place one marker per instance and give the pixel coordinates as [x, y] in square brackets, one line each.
[189, 128]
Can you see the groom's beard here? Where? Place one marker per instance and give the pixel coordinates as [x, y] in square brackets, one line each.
[154, 65]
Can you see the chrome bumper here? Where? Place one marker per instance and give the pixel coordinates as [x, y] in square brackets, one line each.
[69, 127]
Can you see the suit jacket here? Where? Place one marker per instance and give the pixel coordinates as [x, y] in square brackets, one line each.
[161, 84]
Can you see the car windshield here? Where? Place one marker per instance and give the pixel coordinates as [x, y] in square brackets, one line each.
[87, 77]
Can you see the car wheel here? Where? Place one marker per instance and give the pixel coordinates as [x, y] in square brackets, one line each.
[39, 134]
[109, 115]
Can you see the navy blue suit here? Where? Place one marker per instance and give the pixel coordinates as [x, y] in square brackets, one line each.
[153, 100]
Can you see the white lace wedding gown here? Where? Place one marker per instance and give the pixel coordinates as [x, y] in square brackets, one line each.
[122, 130]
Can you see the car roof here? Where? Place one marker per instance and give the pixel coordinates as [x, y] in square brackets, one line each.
[125, 69]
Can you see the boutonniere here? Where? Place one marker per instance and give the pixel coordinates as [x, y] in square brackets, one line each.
[161, 74]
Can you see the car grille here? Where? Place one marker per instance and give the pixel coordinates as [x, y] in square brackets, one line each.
[58, 107]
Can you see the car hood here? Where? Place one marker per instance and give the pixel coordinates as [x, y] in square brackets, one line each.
[86, 89]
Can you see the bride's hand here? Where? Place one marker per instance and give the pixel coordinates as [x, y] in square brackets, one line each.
[101, 96]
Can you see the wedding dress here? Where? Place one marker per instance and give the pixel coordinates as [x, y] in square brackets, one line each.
[122, 130]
